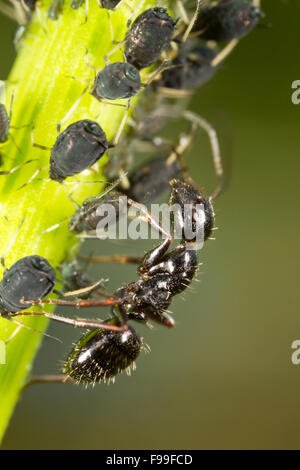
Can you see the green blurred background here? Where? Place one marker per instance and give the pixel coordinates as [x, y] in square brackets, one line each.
[223, 378]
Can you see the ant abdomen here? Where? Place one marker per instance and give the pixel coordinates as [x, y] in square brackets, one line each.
[100, 355]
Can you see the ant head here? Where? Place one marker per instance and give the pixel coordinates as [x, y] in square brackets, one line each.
[193, 212]
[102, 354]
[183, 192]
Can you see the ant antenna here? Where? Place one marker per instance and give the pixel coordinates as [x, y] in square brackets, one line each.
[215, 147]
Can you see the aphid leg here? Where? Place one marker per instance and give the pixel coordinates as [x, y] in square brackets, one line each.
[215, 147]
[163, 66]
[14, 333]
[224, 53]
[123, 122]
[19, 12]
[8, 11]
[192, 22]
[21, 325]
[9, 172]
[33, 177]
[135, 12]
[110, 187]
[177, 151]
[34, 144]
[83, 290]
[113, 50]
[72, 109]
[11, 243]
[111, 29]
[182, 11]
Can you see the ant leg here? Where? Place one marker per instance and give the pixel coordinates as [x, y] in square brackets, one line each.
[224, 53]
[122, 259]
[215, 146]
[78, 323]
[46, 379]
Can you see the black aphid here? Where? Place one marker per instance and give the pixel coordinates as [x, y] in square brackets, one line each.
[30, 4]
[149, 35]
[77, 148]
[4, 124]
[108, 4]
[116, 81]
[55, 9]
[150, 180]
[89, 215]
[191, 68]
[31, 277]
[75, 4]
[227, 20]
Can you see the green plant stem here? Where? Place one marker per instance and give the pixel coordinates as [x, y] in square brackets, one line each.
[51, 53]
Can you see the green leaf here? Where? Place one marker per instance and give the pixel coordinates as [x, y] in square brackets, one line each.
[43, 92]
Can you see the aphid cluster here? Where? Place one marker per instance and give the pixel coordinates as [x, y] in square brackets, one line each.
[154, 37]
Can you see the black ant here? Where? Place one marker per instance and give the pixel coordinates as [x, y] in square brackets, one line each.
[113, 345]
